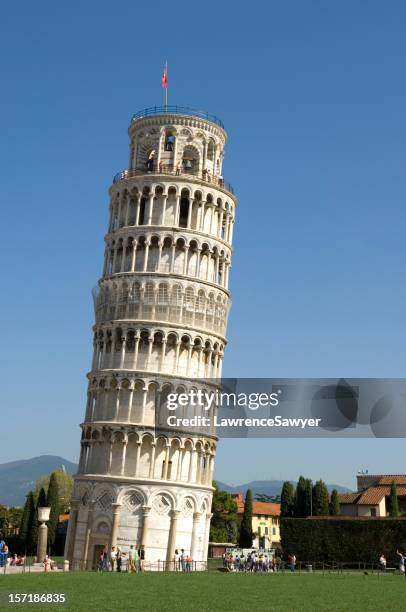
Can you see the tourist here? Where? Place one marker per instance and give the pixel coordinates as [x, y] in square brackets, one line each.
[132, 560]
[105, 553]
[176, 560]
[119, 560]
[401, 562]
[382, 563]
[100, 562]
[113, 558]
[183, 559]
[141, 555]
[14, 560]
[178, 169]
[47, 564]
[292, 560]
[189, 562]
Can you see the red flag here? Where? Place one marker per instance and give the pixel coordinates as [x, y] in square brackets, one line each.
[164, 79]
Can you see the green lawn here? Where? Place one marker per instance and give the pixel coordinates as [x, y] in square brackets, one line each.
[212, 591]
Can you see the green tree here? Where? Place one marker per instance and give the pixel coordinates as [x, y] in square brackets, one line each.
[287, 499]
[41, 499]
[320, 499]
[223, 527]
[26, 521]
[300, 498]
[246, 535]
[334, 506]
[53, 503]
[308, 497]
[393, 502]
[65, 487]
[32, 540]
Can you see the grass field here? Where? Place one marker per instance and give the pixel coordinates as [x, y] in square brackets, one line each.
[211, 591]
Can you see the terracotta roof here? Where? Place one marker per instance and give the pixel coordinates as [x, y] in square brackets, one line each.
[371, 496]
[263, 508]
[348, 498]
[374, 495]
[388, 479]
[266, 508]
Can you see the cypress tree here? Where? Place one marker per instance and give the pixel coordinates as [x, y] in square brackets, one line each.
[394, 506]
[32, 540]
[287, 499]
[26, 520]
[42, 499]
[320, 499]
[53, 503]
[300, 498]
[334, 507]
[308, 503]
[245, 540]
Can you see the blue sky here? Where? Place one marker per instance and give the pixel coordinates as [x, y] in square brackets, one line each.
[312, 95]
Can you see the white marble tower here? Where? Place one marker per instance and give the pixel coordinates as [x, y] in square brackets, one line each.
[161, 311]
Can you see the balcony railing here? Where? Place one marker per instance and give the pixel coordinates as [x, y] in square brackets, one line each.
[169, 169]
[177, 110]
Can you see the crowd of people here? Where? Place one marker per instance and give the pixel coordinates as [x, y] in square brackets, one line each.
[117, 561]
[133, 561]
[255, 562]
[6, 559]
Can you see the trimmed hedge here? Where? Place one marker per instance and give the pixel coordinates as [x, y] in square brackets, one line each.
[343, 539]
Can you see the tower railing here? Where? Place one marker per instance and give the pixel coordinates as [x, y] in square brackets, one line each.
[217, 181]
[177, 110]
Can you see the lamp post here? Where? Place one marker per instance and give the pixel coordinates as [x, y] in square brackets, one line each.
[43, 517]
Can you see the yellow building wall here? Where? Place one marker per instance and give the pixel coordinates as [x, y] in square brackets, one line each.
[260, 522]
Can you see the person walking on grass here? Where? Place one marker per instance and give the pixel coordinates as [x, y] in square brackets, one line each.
[382, 563]
[401, 562]
[119, 560]
[113, 558]
[132, 559]
[141, 555]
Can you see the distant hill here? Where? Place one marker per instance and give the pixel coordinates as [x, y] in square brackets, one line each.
[268, 487]
[17, 478]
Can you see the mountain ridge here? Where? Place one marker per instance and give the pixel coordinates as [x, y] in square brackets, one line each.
[18, 477]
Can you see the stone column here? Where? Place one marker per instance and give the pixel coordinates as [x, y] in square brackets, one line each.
[172, 538]
[123, 456]
[134, 253]
[145, 524]
[136, 347]
[146, 254]
[152, 464]
[122, 356]
[150, 208]
[164, 200]
[206, 536]
[185, 261]
[177, 206]
[42, 542]
[87, 564]
[137, 461]
[195, 535]
[115, 525]
[165, 476]
[71, 534]
[138, 209]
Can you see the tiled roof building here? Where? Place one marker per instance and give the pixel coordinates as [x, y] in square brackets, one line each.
[371, 498]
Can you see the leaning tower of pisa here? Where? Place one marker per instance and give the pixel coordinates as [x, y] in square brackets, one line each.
[161, 310]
